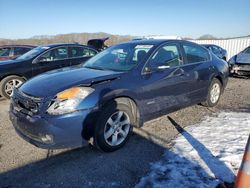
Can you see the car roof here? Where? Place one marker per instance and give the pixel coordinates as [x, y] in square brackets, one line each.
[12, 45]
[64, 44]
[152, 41]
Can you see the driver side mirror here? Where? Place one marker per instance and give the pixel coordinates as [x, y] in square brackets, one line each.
[42, 60]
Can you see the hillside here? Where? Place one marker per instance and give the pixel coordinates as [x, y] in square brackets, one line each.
[81, 38]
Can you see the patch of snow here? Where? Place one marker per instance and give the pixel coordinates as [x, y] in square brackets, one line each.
[204, 154]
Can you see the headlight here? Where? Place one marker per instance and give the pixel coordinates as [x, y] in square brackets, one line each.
[68, 100]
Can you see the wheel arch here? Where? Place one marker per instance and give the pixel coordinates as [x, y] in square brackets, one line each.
[90, 122]
[219, 77]
[8, 75]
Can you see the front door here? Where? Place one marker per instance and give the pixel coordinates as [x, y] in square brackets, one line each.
[165, 87]
[55, 58]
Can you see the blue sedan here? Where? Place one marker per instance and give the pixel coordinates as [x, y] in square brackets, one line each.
[118, 89]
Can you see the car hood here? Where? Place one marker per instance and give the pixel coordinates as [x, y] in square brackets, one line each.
[243, 58]
[53, 82]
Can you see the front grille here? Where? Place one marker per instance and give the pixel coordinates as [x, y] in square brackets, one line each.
[244, 67]
[26, 102]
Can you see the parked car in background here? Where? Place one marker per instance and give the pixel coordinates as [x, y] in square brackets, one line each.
[240, 63]
[218, 51]
[13, 51]
[98, 44]
[121, 87]
[39, 60]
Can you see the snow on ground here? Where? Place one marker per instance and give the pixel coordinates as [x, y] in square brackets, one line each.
[203, 155]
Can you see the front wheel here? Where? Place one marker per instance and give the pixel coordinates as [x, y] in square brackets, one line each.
[8, 84]
[214, 93]
[113, 127]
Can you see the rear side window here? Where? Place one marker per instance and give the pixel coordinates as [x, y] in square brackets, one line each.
[215, 49]
[195, 53]
[54, 54]
[20, 51]
[81, 52]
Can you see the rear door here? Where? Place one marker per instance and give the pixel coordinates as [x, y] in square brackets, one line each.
[197, 66]
[54, 58]
[80, 54]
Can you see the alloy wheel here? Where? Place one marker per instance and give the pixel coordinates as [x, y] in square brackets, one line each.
[117, 128]
[10, 85]
[215, 93]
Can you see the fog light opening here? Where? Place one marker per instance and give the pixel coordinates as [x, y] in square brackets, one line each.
[47, 139]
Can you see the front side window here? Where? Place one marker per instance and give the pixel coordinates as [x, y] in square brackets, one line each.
[122, 57]
[195, 53]
[166, 56]
[81, 52]
[20, 51]
[54, 55]
[5, 52]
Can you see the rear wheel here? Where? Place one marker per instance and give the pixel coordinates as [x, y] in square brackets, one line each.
[214, 93]
[113, 127]
[8, 84]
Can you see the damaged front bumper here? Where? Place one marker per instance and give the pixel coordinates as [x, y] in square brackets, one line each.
[240, 69]
[53, 132]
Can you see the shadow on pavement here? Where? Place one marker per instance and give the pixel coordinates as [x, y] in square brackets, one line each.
[217, 167]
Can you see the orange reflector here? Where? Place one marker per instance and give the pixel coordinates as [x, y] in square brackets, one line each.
[243, 180]
[69, 93]
[247, 157]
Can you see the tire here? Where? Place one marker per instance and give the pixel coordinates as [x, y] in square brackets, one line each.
[7, 85]
[104, 126]
[214, 93]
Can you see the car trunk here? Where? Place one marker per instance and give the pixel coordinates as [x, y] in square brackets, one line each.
[98, 44]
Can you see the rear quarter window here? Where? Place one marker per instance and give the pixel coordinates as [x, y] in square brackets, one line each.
[195, 53]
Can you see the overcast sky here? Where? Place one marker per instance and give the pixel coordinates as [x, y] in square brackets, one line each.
[187, 18]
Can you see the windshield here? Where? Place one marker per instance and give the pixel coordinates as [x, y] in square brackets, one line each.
[121, 57]
[32, 53]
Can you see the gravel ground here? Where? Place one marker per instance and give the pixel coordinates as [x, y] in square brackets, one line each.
[24, 165]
